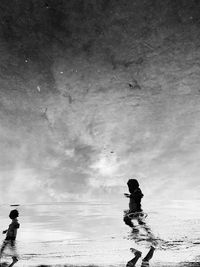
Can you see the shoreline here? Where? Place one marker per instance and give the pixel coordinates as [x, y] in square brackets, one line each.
[155, 264]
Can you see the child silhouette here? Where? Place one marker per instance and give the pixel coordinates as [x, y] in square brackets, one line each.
[11, 234]
[135, 213]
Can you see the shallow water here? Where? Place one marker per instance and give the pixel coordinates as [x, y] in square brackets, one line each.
[84, 233]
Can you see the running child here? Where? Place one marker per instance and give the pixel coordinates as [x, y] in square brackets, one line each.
[135, 197]
[135, 213]
[11, 234]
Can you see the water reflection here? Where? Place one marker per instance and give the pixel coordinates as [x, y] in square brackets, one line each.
[94, 233]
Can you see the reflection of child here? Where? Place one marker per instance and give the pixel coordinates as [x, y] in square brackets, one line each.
[135, 197]
[11, 234]
[135, 213]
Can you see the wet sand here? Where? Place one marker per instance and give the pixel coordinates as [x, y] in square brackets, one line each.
[154, 264]
[49, 238]
[183, 264]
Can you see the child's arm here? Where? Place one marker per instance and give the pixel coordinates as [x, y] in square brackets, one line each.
[127, 195]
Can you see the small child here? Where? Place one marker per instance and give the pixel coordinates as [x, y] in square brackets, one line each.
[134, 203]
[11, 234]
[135, 213]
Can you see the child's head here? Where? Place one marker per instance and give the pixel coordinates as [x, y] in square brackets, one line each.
[13, 214]
[132, 185]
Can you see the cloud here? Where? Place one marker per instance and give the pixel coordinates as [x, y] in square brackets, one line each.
[94, 133]
[97, 144]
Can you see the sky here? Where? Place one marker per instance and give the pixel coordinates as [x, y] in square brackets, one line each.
[77, 124]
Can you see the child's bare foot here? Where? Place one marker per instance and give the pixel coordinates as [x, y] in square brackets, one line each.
[136, 252]
[130, 264]
[15, 259]
[145, 264]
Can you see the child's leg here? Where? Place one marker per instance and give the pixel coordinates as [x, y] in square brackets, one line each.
[132, 262]
[5, 243]
[128, 221]
[14, 261]
[145, 261]
[147, 229]
[14, 251]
